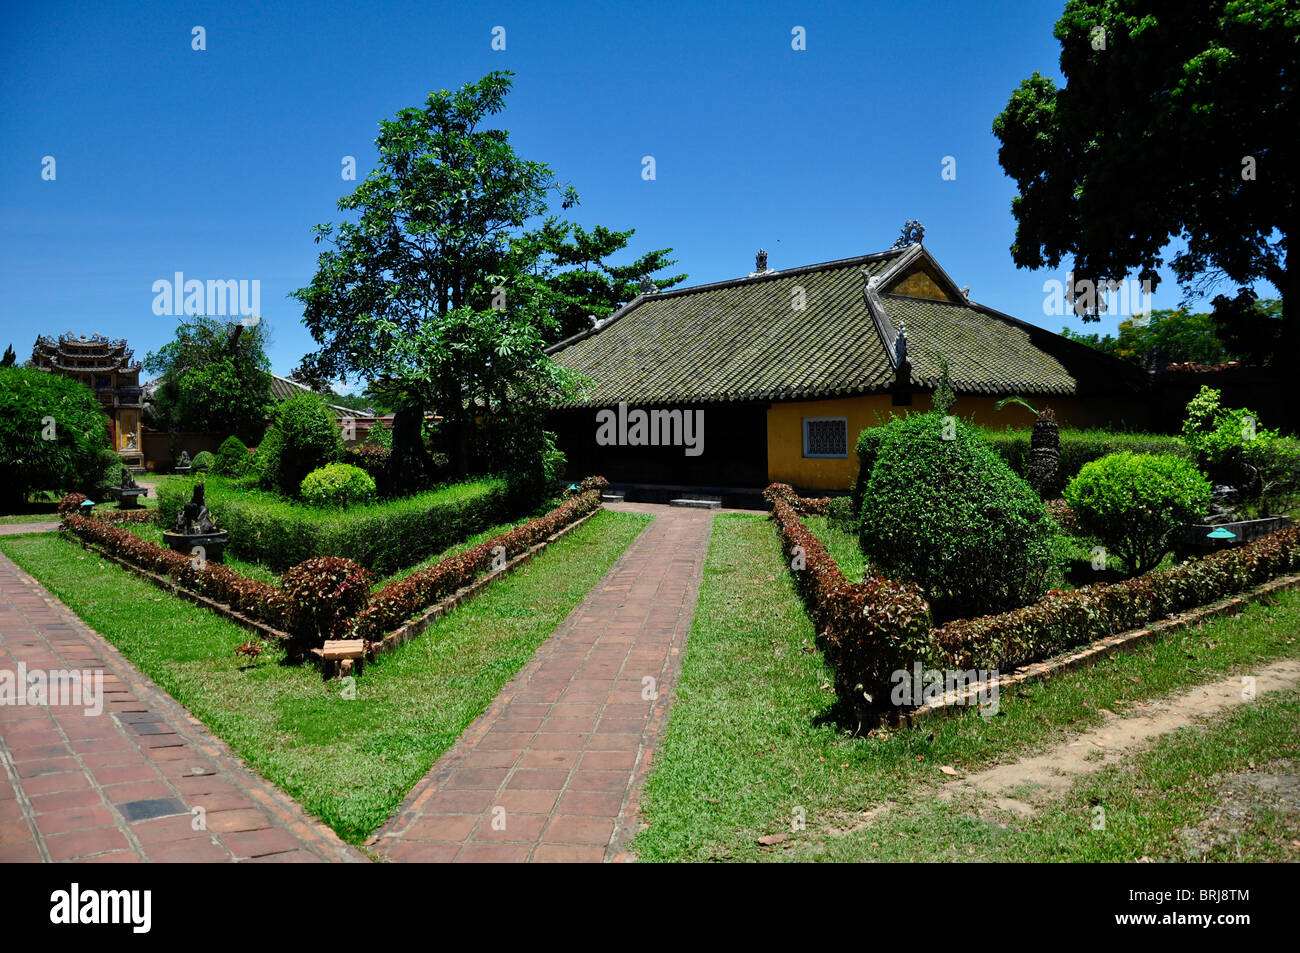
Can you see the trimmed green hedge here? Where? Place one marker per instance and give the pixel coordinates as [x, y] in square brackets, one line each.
[383, 537]
[1078, 447]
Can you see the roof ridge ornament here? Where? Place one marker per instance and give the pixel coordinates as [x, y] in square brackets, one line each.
[912, 233]
[900, 343]
[760, 264]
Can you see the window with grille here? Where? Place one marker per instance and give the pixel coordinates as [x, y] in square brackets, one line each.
[825, 437]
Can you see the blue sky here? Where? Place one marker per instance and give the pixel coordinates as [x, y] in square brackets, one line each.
[217, 163]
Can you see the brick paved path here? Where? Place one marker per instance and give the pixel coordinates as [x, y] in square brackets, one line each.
[552, 770]
[17, 529]
[120, 786]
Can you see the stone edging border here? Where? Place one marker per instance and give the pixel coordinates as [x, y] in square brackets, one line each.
[399, 636]
[167, 584]
[959, 700]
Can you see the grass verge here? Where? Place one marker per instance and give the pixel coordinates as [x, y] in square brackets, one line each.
[746, 753]
[842, 546]
[348, 761]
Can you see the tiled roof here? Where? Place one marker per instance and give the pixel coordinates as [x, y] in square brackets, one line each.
[985, 354]
[743, 340]
[283, 388]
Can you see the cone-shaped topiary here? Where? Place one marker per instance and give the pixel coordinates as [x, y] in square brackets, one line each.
[1044, 454]
[232, 457]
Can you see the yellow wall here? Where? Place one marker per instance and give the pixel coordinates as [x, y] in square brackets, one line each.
[787, 464]
[920, 282]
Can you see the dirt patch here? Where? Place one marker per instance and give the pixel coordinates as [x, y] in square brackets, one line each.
[1024, 785]
[1260, 803]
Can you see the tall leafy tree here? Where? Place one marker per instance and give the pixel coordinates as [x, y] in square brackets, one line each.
[437, 293]
[1176, 124]
[575, 282]
[215, 378]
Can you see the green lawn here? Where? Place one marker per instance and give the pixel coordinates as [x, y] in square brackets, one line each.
[350, 762]
[746, 746]
[42, 507]
[842, 546]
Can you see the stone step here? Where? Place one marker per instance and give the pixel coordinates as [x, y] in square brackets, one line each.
[613, 496]
[699, 503]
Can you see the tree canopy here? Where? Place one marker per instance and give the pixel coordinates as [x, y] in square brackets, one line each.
[1160, 338]
[53, 432]
[455, 275]
[1176, 126]
[215, 378]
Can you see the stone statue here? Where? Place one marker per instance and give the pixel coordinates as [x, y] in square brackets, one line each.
[184, 461]
[128, 481]
[194, 518]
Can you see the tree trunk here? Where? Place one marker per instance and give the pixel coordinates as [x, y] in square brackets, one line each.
[1286, 361]
[1045, 454]
[409, 468]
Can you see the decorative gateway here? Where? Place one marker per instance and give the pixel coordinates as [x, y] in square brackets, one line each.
[108, 368]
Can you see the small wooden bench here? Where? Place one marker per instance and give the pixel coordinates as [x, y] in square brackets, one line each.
[341, 657]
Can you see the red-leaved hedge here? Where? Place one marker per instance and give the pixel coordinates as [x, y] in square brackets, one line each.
[1062, 620]
[140, 517]
[220, 583]
[329, 597]
[322, 594]
[871, 629]
[398, 601]
[803, 505]
[868, 629]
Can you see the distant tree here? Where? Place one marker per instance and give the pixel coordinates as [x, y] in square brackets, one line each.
[215, 378]
[10, 357]
[1176, 122]
[1250, 327]
[576, 284]
[1162, 337]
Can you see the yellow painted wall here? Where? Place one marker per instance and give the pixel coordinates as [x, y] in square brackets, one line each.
[920, 282]
[787, 464]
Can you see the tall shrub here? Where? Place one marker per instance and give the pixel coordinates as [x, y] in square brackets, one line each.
[1232, 448]
[943, 511]
[302, 437]
[53, 433]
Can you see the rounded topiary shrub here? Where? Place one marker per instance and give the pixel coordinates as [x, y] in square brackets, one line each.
[302, 437]
[232, 457]
[1135, 503]
[941, 509]
[337, 484]
[204, 460]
